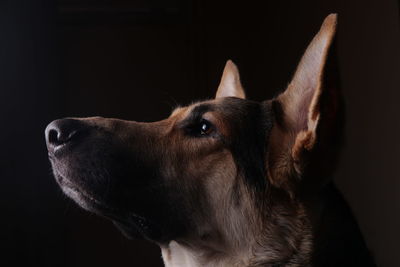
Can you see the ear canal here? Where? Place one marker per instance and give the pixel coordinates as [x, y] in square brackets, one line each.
[230, 85]
[300, 102]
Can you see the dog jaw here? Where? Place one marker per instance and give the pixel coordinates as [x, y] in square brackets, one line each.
[230, 193]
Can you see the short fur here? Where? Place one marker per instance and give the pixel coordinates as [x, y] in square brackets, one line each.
[223, 182]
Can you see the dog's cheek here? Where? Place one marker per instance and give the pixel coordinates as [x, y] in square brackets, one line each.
[220, 175]
[215, 175]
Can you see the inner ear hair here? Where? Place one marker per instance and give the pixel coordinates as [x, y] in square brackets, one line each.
[298, 109]
[301, 100]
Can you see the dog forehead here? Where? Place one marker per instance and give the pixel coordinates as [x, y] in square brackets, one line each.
[185, 110]
[222, 106]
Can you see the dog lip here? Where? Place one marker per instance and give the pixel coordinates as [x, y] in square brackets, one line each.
[66, 183]
[90, 202]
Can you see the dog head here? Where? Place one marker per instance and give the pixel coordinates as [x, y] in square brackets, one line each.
[218, 170]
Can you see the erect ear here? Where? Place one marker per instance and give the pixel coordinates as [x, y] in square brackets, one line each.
[230, 82]
[300, 104]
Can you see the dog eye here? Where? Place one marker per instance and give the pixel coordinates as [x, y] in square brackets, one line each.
[205, 127]
[200, 129]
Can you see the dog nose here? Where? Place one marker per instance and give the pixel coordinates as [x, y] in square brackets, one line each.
[60, 132]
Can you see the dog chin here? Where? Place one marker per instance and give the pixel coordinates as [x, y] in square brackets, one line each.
[83, 200]
[132, 226]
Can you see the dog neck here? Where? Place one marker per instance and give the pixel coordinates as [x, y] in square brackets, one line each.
[223, 247]
[178, 255]
[285, 242]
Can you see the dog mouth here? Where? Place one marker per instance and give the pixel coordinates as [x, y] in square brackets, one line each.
[83, 198]
[130, 224]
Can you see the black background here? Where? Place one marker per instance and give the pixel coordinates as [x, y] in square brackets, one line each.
[137, 59]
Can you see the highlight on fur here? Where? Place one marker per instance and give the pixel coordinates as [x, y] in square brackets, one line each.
[222, 182]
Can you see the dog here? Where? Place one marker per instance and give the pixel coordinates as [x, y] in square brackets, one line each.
[223, 182]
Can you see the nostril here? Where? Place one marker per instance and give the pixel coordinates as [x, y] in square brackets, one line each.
[53, 137]
[59, 138]
[60, 132]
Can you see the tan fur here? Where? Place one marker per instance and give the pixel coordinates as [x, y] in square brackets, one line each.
[224, 196]
[230, 84]
[243, 248]
[300, 105]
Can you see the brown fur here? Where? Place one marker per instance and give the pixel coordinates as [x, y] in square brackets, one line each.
[223, 182]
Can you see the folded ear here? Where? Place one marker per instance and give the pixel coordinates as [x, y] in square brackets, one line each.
[299, 107]
[230, 82]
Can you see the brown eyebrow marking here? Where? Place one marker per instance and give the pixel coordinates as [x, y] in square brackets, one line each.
[198, 111]
[192, 112]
